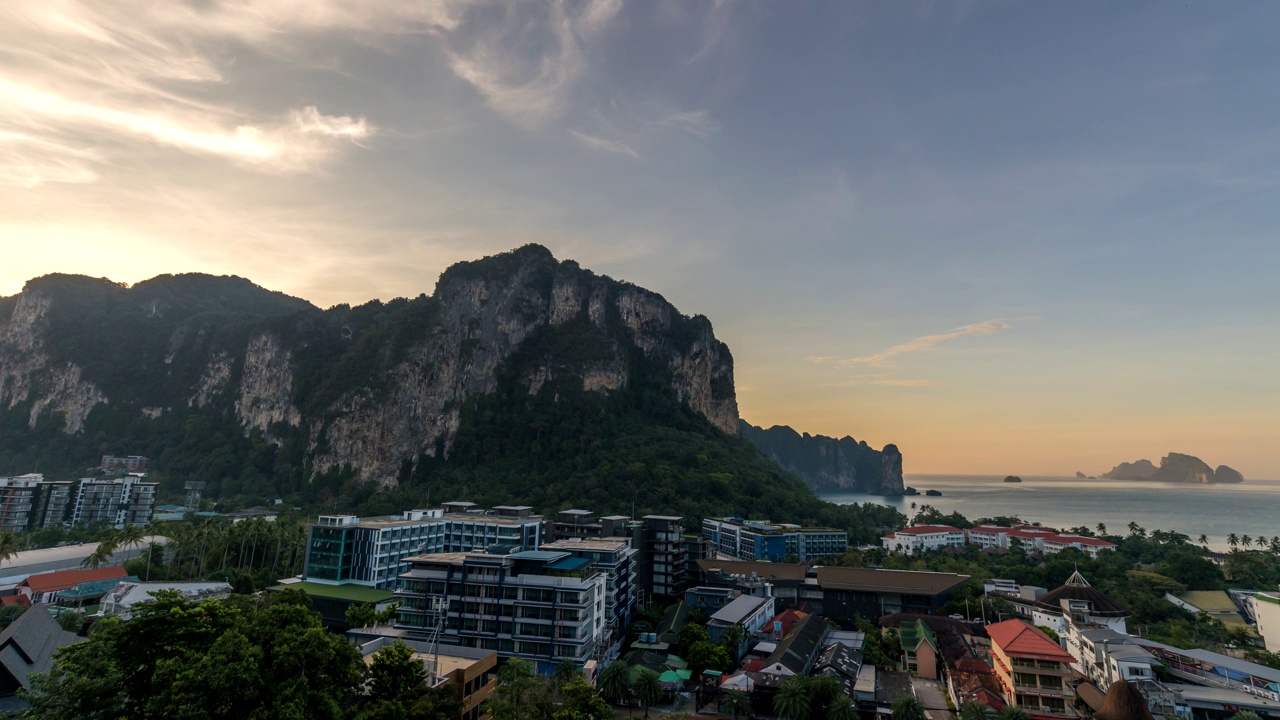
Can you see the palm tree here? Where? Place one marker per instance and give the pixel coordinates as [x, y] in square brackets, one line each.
[731, 639]
[100, 556]
[10, 544]
[615, 682]
[648, 689]
[907, 707]
[1204, 540]
[1275, 545]
[1245, 541]
[792, 701]
[842, 709]
[1133, 527]
[1233, 542]
[1102, 528]
[564, 672]
[974, 710]
[738, 703]
[1246, 715]
[1013, 712]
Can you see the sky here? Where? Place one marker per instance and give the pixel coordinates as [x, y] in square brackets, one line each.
[1010, 237]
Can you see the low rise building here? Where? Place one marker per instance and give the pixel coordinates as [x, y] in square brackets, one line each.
[27, 646]
[471, 673]
[1265, 607]
[849, 594]
[745, 612]
[122, 600]
[44, 589]
[1033, 670]
[919, 649]
[738, 538]
[923, 538]
[1035, 538]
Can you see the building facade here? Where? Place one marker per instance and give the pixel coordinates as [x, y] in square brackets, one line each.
[1033, 670]
[29, 502]
[374, 551]
[542, 606]
[923, 538]
[617, 559]
[1266, 611]
[761, 540]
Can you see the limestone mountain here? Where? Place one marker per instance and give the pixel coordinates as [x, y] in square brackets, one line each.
[521, 377]
[1175, 467]
[828, 464]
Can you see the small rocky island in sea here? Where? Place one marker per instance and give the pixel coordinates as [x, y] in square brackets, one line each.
[933, 493]
[1175, 467]
[1013, 478]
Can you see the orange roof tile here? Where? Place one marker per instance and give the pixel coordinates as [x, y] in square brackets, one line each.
[1019, 639]
[54, 581]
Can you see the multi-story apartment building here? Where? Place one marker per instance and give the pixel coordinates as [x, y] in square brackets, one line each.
[761, 540]
[666, 561]
[374, 552]
[129, 500]
[617, 559]
[1033, 670]
[541, 605]
[29, 502]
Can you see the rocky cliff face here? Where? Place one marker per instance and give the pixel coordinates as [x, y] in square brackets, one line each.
[369, 387]
[830, 465]
[1175, 467]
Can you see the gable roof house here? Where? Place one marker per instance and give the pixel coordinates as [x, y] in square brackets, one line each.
[27, 647]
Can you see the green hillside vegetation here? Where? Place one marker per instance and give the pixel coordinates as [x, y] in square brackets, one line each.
[147, 346]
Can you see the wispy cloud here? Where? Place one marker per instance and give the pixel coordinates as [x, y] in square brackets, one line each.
[915, 382]
[614, 146]
[524, 58]
[920, 344]
[136, 72]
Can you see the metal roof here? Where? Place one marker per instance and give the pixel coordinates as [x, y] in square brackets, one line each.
[739, 609]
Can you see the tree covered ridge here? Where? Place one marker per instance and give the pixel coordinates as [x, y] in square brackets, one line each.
[537, 438]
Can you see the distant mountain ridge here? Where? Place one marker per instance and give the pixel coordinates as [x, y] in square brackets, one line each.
[1175, 467]
[828, 464]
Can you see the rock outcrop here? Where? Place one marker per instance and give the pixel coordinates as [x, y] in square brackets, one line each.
[369, 388]
[1225, 474]
[1140, 470]
[830, 465]
[1175, 468]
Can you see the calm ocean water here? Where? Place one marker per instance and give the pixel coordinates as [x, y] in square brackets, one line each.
[1250, 508]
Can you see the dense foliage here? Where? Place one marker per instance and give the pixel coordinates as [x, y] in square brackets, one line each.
[262, 657]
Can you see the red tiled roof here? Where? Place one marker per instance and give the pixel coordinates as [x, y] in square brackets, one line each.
[928, 530]
[20, 600]
[54, 581]
[1019, 639]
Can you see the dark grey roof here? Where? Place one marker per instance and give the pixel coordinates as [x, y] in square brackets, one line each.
[840, 659]
[798, 647]
[28, 644]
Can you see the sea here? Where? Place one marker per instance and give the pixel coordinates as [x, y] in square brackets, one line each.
[1249, 508]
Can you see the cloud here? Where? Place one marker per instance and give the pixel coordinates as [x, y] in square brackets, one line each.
[922, 344]
[612, 146]
[134, 73]
[883, 379]
[904, 383]
[524, 58]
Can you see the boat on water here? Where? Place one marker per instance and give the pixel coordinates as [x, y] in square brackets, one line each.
[1013, 478]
